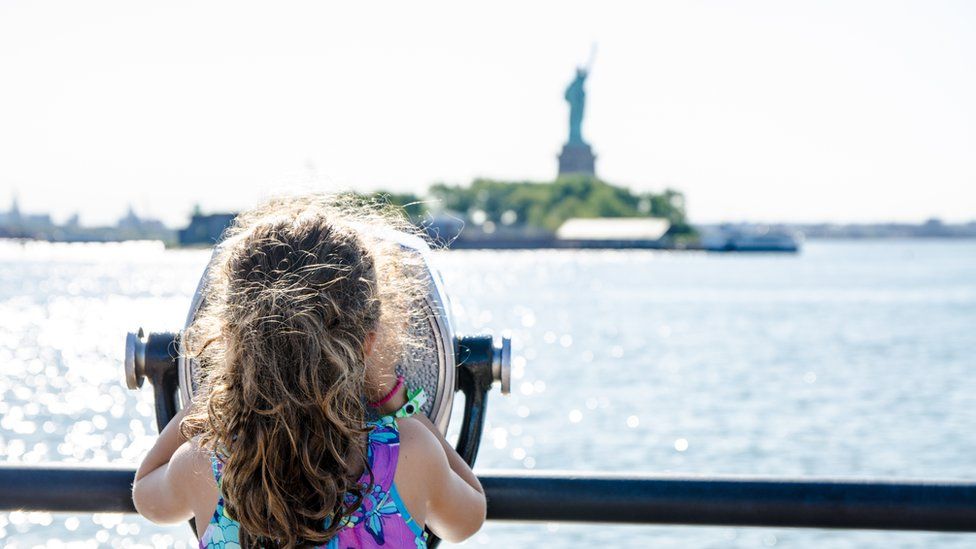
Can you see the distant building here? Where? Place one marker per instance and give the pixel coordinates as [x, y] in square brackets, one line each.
[17, 223]
[205, 229]
[614, 228]
[130, 221]
[934, 228]
[132, 224]
[12, 216]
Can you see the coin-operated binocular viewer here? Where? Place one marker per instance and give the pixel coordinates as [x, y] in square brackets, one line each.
[443, 365]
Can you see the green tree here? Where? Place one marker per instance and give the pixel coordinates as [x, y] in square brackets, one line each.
[544, 205]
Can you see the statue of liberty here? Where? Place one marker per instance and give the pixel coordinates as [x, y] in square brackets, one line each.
[576, 96]
[577, 157]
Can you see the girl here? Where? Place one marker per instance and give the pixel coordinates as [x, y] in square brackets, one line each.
[305, 315]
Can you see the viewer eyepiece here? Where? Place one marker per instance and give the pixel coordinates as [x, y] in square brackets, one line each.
[501, 365]
[135, 359]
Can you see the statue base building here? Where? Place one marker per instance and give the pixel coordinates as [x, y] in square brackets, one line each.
[577, 158]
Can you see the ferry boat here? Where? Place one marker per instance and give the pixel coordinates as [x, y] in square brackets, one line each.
[758, 238]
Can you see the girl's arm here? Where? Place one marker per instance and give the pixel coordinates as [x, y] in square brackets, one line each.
[167, 443]
[456, 463]
[456, 505]
[156, 490]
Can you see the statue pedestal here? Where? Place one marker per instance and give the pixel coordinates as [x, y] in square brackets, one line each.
[577, 158]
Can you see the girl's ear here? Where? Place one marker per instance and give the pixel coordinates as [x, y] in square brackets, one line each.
[370, 343]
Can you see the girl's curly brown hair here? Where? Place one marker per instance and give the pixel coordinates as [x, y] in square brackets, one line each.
[294, 289]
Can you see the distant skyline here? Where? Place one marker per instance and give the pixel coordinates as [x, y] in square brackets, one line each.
[763, 111]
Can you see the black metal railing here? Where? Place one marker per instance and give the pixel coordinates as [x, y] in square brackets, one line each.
[948, 506]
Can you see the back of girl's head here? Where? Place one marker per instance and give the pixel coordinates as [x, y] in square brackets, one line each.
[296, 287]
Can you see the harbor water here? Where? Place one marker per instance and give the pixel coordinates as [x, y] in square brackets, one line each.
[850, 359]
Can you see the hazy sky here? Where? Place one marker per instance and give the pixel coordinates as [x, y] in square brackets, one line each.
[775, 111]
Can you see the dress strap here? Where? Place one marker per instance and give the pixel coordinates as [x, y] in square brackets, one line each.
[384, 450]
[222, 531]
[215, 466]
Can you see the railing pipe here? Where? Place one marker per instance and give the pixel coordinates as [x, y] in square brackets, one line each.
[948, 506]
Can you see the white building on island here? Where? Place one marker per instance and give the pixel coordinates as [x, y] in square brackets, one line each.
[613, 228]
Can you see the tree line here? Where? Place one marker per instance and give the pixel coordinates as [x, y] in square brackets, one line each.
[545, 206]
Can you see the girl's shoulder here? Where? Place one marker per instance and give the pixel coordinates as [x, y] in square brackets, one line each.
[415, 437]
[420, 452]
[192, 469]
[413, 477]
[191, 461]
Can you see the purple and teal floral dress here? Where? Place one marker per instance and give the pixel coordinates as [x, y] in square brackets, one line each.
[381, 521]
